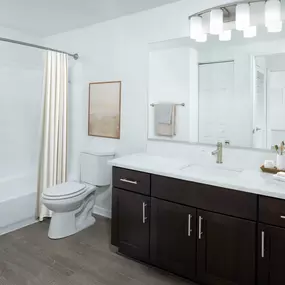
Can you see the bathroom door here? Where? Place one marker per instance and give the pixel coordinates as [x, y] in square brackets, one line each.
[259, 104]
[275, 107]
[216, 102]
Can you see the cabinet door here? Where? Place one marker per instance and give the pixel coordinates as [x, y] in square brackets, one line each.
[173, 237]
[133, 224]
[271, 255]
[225, 250]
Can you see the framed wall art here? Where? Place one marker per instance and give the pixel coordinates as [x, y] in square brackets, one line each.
[104, 115]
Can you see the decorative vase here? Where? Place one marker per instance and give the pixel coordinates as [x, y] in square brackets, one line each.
[280, 162]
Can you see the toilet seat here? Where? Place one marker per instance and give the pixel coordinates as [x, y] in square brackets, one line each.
[64, 191]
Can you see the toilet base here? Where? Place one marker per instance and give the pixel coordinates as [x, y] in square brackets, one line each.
[69, 223]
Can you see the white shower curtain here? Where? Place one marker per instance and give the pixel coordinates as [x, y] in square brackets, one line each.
[52, 163]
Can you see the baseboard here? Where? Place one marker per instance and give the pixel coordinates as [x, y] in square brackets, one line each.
[17, 226]
[102, 212]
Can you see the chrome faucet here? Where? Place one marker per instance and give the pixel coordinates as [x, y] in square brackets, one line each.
[219, 152]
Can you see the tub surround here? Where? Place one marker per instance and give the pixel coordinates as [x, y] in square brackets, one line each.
[245, 180]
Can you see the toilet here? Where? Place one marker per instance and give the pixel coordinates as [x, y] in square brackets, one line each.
[72, 202]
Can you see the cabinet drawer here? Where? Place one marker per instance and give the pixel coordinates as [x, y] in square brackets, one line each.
[131, 180]
[272, 211]
[207, 197]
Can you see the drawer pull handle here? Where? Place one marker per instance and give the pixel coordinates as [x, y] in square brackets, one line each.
[189, 225]
[128, 181]
[144, 214]
[262, 244]
[200, 227]
[282, 217]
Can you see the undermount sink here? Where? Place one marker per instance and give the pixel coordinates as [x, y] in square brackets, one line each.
[219, 170]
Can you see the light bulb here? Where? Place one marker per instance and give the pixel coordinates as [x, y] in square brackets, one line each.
[196, 27]
[250, 32]
[272, 12]
[216, 22]
[225, 36]
[202, 38]
[242, 16]
[275, 27]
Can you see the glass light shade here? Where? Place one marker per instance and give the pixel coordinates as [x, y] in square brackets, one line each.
[275, 27]
[272, 12]
[242, 16]
[196, 27]
[225, 36]
[249, 32]
[216, 22]
[202, 38]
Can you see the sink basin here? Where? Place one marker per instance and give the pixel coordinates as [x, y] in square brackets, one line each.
[212, 171]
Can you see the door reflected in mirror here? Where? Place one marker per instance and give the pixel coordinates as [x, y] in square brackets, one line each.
[269, 100]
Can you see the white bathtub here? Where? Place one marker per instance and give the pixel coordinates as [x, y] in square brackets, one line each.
[17, 202]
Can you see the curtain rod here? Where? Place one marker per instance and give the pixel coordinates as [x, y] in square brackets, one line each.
[75, 56]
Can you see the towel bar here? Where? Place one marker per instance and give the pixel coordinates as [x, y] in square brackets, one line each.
[181, 104]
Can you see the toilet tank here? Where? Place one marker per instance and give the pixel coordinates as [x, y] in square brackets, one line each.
[94, 168]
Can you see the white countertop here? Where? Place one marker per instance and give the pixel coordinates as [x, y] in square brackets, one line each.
[216, 175]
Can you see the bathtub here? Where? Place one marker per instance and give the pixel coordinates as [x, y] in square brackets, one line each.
[18, 198]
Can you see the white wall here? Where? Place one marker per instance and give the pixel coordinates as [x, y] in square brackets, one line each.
[118, 50]
[173, 78]
[169, 74]
[275, 62]
[21, 73]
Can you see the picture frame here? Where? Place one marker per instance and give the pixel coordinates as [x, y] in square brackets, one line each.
[104, 109]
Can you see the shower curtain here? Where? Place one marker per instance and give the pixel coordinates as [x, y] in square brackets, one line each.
[53, 149]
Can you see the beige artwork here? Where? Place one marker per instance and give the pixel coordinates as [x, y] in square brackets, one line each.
[104, 109]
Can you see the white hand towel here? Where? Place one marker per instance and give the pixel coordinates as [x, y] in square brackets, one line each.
[163, 113]
[165, 129]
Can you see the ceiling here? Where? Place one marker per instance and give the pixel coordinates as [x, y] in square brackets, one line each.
[45, 18]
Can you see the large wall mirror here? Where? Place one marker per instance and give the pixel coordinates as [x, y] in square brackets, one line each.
[233, 91]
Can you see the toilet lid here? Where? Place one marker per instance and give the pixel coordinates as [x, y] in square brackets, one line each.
[68, 189]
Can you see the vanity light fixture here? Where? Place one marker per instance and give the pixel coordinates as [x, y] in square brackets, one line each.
[225, 36]
[250, 32]
[242, 16]
[238, 13]
[216, 21]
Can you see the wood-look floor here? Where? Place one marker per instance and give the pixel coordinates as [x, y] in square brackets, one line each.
[28, 257]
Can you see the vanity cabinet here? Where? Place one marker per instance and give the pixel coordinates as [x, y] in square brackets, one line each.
[133, 224]
[200, 232]
[173, 237]
[225, 250]
[271, 241]
[271, 255]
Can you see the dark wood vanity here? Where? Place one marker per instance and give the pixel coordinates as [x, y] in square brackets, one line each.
[208, 234]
